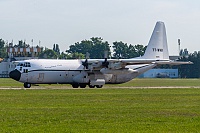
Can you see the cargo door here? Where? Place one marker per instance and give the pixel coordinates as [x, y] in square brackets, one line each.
[40, 77]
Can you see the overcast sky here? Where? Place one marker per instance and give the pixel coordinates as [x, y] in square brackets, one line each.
[68, 21]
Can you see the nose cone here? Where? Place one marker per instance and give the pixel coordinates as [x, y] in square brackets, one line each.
[15, 74]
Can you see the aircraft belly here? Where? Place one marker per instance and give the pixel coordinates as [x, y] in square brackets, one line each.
[118, 75]
[128, 74]
[121, 78]
[51, 77]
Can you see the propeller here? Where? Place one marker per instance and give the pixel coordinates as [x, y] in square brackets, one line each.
[85, 63]
[105, 63]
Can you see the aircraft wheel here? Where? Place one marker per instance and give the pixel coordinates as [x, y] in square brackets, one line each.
[99, 86]
[91, 86]
[75, 85]
[82, 85]
[27, 85]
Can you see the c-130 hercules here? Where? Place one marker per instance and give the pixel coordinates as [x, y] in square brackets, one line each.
[95, 72]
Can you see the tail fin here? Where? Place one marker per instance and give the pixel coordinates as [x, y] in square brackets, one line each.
[157, 47]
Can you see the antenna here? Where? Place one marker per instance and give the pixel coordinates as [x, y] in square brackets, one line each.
[32, 42]
[179, 46]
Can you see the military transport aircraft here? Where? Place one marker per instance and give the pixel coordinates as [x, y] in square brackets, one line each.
[95, 72]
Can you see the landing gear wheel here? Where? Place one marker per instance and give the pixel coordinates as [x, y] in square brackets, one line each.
[91, 86]
[82, 85]
[99, 86]
[27, 85]
[75, 85]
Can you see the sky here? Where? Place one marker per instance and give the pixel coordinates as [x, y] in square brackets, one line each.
[66, 22]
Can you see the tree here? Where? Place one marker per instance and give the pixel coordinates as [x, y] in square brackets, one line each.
[76, 56]
[95, 46]
[140, 49]
[3, 53]
[63, 56]
[56, 48]
[190, 71]
[123, 50]
[48, 54]
[99, 47]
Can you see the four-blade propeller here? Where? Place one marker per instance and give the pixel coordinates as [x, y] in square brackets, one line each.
[85, 63]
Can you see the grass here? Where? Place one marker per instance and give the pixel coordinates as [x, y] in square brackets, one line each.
[102, 110]
[7, 82]
[152, 82]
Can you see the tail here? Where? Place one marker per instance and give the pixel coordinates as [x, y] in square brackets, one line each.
[157, 47]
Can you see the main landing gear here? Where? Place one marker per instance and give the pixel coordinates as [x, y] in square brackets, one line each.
[76, 85]
[27, 85]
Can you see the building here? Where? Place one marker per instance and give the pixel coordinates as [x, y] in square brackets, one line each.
[160, 73]
[16, 54]
[27, 52]
[6, 66]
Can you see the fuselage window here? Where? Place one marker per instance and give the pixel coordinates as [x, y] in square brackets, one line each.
[25, 71]
[27, 64]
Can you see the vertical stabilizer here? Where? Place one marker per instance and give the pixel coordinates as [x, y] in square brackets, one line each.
[157, 47]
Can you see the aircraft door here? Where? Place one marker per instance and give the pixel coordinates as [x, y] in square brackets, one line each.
[40, 77]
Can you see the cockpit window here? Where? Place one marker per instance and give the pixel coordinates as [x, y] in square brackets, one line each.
[24, 64]
[27, 64]
[20, 64]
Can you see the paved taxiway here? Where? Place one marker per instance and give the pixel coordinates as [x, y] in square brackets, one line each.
[113, 87]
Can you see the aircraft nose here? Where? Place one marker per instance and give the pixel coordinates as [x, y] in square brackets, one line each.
[15, 74]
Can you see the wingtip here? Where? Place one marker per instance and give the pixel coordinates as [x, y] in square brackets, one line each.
[190, 62]
[160, 22]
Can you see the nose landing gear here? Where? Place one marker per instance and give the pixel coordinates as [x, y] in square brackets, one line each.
[27, 85]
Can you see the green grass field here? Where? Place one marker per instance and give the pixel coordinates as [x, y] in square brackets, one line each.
[7, 82]
[102, 110]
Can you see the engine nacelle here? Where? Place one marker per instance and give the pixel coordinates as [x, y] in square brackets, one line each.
[115, 65]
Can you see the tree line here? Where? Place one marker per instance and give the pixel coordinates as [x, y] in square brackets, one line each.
[96, 46]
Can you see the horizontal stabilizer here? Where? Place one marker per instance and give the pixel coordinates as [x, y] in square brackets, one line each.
[173, 63]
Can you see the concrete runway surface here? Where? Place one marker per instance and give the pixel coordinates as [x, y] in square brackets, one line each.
[105, 87]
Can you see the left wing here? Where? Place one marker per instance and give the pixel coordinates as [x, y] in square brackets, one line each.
[122, 63]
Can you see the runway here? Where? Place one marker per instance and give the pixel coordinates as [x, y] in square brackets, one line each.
[105, 87]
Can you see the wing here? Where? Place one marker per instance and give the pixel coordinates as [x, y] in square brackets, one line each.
[122, 63]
